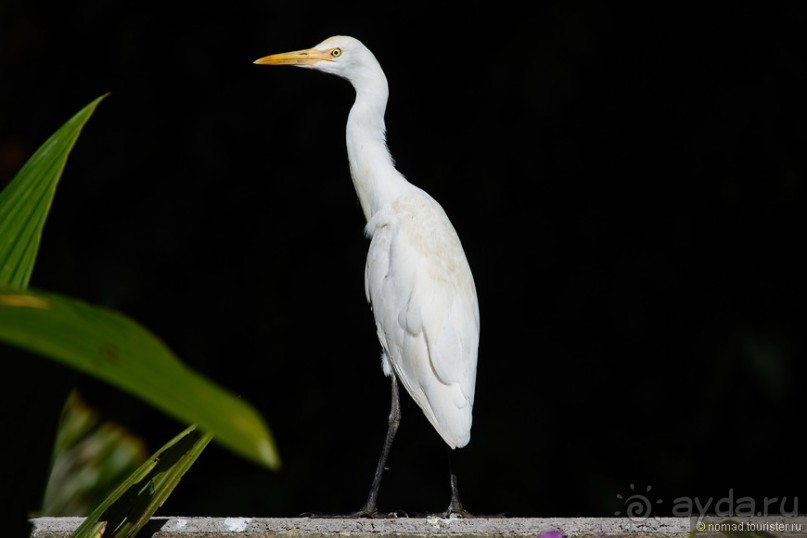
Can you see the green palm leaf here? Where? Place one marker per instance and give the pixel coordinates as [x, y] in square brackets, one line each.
[25, 202]
[97, 341]
[131, 505]
[116, 349]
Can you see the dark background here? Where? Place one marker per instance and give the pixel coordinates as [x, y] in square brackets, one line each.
[628, 183]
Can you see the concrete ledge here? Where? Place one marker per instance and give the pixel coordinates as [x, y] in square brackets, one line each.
[240, 527]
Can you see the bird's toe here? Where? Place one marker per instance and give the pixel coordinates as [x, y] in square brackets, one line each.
[457, 512]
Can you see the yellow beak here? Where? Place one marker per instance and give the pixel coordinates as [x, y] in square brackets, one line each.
[298, 57]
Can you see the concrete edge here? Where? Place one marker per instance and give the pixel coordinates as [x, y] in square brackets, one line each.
[245, 527]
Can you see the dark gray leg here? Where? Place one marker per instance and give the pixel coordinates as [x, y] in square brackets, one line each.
[370, 509]
[455, 508]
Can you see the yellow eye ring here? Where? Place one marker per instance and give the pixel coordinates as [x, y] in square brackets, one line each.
[336, 53]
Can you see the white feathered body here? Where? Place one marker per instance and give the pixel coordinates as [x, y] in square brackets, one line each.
[425, 306]
[417, 278]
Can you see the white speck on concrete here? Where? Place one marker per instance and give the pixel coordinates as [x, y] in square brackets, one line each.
[236, 524]
[180, 523]
[438, 522]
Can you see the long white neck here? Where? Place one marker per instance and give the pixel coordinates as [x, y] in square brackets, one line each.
[375, 178]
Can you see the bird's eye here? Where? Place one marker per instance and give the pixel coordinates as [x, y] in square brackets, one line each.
[336, 53]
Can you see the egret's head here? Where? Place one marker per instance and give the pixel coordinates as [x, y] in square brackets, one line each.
[339, 55]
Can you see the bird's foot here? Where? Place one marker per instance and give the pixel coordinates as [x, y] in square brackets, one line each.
[367, 512]
[364, 513]
[456, 511]
[353, 515]
[375, 514]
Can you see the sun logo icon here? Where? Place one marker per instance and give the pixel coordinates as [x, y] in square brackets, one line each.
[637, 506]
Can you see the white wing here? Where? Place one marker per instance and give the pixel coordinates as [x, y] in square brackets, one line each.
[424, 301]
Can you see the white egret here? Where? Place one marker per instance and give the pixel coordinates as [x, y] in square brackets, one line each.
[417, 278]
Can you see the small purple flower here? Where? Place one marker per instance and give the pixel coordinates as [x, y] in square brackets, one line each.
[554, 533]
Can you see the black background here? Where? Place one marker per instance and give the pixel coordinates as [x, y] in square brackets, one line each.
[628, 183]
